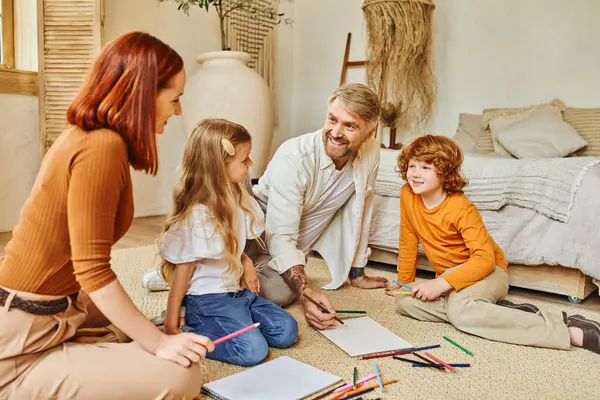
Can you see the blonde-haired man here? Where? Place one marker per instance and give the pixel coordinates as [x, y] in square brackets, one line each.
[317, 195]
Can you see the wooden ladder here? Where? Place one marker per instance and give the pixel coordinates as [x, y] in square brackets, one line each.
[353, 64]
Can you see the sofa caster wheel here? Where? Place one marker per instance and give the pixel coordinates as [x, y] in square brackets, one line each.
[575, 300]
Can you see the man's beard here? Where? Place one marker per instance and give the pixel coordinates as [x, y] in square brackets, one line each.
[335, 152]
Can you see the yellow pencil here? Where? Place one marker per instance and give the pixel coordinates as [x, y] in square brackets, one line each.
[402, 292]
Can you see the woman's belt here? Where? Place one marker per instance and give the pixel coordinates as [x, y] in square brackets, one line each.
[48, 307]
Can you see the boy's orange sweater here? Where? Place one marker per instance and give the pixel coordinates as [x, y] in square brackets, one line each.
[452, 234]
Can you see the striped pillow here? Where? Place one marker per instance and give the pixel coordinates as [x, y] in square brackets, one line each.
[586, 122]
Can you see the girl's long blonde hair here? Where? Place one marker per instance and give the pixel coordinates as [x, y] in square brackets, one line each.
[203, 180]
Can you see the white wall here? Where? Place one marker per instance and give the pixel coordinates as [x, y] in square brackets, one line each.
[20, 154]
[487, 53]
[20, 151]
[189, 36]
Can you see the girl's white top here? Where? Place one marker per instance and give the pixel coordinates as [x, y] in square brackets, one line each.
[195, 239]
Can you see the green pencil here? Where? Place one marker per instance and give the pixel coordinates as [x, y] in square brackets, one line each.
[458, 345]
[355, 375]
[350, 311]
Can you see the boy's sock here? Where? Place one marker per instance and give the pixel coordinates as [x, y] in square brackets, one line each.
[523, 307]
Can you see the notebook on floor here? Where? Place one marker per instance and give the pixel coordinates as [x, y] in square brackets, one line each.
[360, 336]
[283, 378]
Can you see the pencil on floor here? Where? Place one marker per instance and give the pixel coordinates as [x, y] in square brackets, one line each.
[378, 375]
[458, 345]
[402, 292]
[441, 366]
[355, 376]
[350, 312]
[439, 361]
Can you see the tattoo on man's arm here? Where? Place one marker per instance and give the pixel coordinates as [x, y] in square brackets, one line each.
[297, 277]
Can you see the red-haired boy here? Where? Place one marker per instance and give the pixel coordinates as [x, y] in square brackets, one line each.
[471, 270]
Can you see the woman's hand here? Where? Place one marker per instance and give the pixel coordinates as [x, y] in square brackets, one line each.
[184, 348]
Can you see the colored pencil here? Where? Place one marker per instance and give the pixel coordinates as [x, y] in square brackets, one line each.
[351, 396]
[355, 376]
[402, 284]
[362, 390]
[378, 376]
[441, 366]
[402, 292]
[357, 394]
[399, 352]
[330, 391]
[350, 312]
[358, 382]
[236, 333]
[322, 308]
[458, 345]
[413, 362]
[422, 358]
[439, 361]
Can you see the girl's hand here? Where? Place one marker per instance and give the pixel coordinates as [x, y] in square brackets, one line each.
[184, 348]
[430, 290]
[250, 277]
[251, 280]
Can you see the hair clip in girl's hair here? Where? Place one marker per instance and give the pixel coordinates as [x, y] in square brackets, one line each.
[229, 149]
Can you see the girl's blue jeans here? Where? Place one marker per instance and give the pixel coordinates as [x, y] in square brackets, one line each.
[217, 315]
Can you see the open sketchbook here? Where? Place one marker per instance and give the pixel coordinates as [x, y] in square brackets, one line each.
[360, 336]
[283, 378]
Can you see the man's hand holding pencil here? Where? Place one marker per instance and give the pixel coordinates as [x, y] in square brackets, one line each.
[318, 310]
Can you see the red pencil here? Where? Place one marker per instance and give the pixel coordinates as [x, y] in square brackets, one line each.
[439, 361]
[234, 334]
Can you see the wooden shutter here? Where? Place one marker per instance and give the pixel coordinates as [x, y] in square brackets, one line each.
[70, 37]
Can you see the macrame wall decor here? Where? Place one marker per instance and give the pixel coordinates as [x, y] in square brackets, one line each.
[400, 67]
[253, 33]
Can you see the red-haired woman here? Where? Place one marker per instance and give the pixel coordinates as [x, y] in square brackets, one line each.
[80, 205]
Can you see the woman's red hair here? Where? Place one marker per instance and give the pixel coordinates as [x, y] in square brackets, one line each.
[441, 152]
[120, 91]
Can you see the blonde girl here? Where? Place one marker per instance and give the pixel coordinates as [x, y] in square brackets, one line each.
[202, 249]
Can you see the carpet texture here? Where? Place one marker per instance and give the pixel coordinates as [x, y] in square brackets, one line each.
[498, 370]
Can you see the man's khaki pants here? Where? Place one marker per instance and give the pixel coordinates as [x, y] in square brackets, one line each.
[37, 361]
[473, 310]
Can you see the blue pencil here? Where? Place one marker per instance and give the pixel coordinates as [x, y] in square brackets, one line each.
[378, 376]
[440, 365]
[402, 284]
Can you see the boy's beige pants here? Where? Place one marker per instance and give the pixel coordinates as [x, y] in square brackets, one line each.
[474, 310]
[37, 361]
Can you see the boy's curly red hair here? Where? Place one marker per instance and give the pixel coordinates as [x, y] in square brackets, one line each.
[440, 151]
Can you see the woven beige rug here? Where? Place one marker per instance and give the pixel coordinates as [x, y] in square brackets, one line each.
[498, 370]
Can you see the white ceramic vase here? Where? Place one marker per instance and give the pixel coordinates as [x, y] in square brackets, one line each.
[225, 87]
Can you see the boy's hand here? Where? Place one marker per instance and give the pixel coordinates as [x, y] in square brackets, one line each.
[430, 290]
[250, 277]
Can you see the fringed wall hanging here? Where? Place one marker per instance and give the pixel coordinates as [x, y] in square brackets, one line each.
[400, 67]
[253, 32]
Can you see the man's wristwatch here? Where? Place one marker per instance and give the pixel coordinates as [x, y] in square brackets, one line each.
[356, 273]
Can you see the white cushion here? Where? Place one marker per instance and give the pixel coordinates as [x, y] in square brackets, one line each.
[540, 134]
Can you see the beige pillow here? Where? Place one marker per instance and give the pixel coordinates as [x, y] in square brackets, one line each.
[468, 131]
[490, 114]
[587, 123]
[485, 142]
[541, 134]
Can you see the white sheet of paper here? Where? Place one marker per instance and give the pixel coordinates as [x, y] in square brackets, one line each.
[360, 336]
[283, 378]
